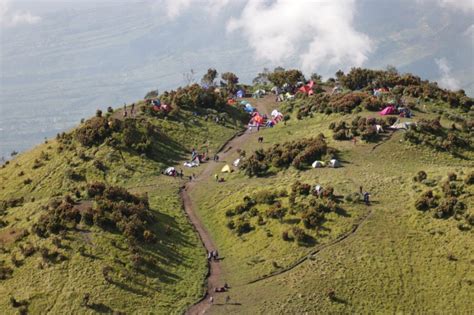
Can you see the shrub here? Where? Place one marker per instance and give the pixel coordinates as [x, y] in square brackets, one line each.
[286, 236]
[426, 201]
[452, 176]
[27, 181]
[242, 226]
[420, 176]
[446, 208]
[276, 213]
[300, 235]
[264, 197]
[469, 180]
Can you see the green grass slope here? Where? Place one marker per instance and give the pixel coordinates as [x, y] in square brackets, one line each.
[399, 259]
[86, 259]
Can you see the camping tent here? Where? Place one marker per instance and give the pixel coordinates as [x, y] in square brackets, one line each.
[226, 169]
[402, 125]
[334, 163]
[317, 164]
[387, 110]
[308, 88]
[170, 171]
[378, 128]
[236, 163]
[249, 108]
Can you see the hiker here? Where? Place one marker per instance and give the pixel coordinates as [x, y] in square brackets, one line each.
[211, 299]
[216, 177]
[124, 110]
[132, 110]
[260, 139]
[354, 140]
[216, 158]
[216, 255]
[226, 285]
[209, 256]
[227, 299]
[360, 189]
[366, 198]
[258, 127]
[193, 154]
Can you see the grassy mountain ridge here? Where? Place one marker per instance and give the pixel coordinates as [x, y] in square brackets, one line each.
[390, 256]
[118, 273]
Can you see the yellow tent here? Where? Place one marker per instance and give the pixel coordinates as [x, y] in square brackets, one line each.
[226, 169]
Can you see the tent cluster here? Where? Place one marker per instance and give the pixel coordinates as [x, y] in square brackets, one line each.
[332, 163]
[157, 106]
[392, 110]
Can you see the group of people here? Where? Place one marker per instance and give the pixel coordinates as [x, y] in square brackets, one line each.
[213, 255]
[132, 110]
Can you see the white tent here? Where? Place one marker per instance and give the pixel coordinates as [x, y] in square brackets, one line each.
[236, 163]
[378, 128]
[317, 164]
[403, 125]
[170, 171]
[334, 163]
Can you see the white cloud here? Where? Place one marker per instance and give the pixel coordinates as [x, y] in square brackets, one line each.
[174, 8]
[446, 80]
[469, 32]
[463, 5]
[320, 33]
[11, 17]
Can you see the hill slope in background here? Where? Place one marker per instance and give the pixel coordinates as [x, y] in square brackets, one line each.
[88, 221]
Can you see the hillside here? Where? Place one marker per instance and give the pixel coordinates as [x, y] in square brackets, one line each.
[89, 222]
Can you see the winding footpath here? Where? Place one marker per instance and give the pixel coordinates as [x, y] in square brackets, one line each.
[214, 268]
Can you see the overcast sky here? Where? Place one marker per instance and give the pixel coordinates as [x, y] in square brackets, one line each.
[62, 59]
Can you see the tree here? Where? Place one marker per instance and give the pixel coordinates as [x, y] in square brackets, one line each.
[339, 74]
[290, 77]
[262, 77]
[391, 69]
[209, 77]
[152, 94]
[316, 77]
[188, 77]
[231, 81]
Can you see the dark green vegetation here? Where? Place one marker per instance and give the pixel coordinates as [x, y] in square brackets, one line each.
[299, 153]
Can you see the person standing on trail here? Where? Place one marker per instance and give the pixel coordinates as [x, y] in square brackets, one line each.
[124, 110]
[360, 189]
[211, 299]
[132, 110]
[366, 198]
[216, 177]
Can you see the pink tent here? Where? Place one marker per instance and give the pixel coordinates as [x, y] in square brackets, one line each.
[387, 110]
[308, 88]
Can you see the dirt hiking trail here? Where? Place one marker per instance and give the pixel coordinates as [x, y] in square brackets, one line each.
[264, 106]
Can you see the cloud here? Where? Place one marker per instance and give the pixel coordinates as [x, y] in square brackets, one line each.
[175, 8]
[469, 32]
[10, 17]
[319, 33]
[463, 5]
[446, 81]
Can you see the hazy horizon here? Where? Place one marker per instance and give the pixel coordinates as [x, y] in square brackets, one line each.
[62, 60]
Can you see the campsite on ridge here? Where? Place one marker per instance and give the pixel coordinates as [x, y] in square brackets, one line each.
[292, 194]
